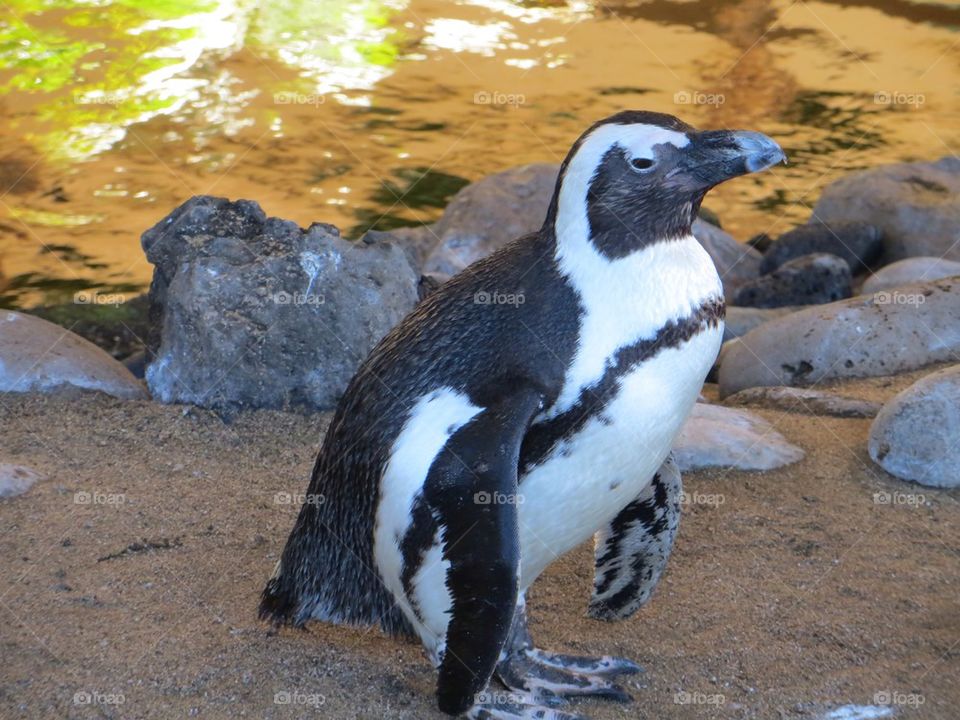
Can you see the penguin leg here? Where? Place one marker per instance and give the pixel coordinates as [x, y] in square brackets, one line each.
[549, 677]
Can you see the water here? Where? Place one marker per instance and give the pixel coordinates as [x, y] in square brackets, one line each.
[372, 114]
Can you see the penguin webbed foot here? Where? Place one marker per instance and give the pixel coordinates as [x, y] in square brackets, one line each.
[552, 677]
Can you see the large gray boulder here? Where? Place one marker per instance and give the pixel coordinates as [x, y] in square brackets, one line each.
[865, 336]
[916, 436]
[717, 436]
[256, 312]
[38, 356]
[911, 270]
[915, 205]
[489, 213]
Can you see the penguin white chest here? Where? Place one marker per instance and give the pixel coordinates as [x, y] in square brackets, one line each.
[590, 475]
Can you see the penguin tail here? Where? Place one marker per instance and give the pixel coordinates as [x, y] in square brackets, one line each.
[279, 601]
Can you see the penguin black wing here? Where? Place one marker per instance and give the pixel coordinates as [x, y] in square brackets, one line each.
[472, 489]
[631, 552]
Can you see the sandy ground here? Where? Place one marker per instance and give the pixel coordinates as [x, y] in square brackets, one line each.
[129, 580]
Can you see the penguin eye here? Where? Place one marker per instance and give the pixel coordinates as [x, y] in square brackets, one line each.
[642, 163]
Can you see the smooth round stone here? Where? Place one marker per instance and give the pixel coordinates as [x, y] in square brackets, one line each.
[916, 436]
[16, 479]
[38, 356]
[911, 270]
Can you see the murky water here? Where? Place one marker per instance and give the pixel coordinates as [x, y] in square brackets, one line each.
[372, 114]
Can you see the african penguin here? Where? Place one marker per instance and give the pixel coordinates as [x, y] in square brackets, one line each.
[527, 404]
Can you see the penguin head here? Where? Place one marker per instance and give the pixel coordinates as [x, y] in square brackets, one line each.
[639, 177]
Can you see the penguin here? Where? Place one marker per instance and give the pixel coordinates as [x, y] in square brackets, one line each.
[526, 405]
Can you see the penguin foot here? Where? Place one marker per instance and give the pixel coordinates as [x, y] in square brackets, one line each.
[554, 677]
[518, 705]
[546, 675]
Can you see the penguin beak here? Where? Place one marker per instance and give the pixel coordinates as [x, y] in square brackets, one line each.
[714, 156]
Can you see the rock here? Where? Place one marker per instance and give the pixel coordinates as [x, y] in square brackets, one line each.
[120, 328]
[418, 241]
[741, 320]
[911, 270]
[915, 205]
[736, 263]
[806, 280]
[916, 436]
[865, 336]
[857, 243]
[489, 213]
[760, 242]
[16, 479]
[716, 436]
[38, 356]
[256, 312]
[804, 400]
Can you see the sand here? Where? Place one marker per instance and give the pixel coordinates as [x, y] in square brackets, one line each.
[129, 580]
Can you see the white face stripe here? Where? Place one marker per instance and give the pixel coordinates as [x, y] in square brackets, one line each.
[434, 418]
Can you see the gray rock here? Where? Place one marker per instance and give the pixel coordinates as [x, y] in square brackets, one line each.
[489, 213]
[38, 356]
[806, 401]
[916, 436]
[915, 205]
[16, 479]
[417, 241]
[499, 208]
[741, 320]
[737, 263]
[858, 244]
[864, 336]
[716, 436]
[911, 270]
[806, 280]
[256, 312]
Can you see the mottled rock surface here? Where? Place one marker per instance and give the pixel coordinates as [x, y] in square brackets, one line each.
[38, 356]
[864, 336]
[804, 400]
[717, 436]
[256, 312]
[915, 205]
[911, 270]
[916, 436]
[806, 280]
[741, 320]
